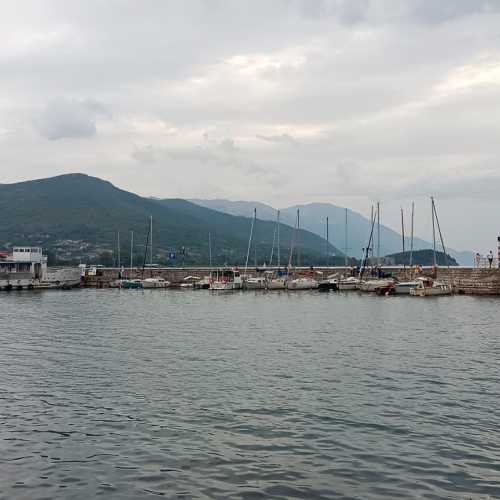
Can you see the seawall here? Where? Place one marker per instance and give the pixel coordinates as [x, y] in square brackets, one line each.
[465, 280]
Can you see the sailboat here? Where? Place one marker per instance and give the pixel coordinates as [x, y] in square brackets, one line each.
[151, 282]
[277, 280]
[427, 286]
[302, 282]
[256, 282]
[372, 285]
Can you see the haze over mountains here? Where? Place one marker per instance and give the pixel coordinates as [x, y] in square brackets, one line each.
[313, 218]
[77, 217]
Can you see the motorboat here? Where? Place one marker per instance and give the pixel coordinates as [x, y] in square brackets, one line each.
[131, 284]
[350, 283]
[276, 283]
[203, 284]
[257, 283]
[189, 281]
[155, 283]
[428, 287]
[404, 287]
[302, 284]
[327, 284]
[227, 279]
[374, 285]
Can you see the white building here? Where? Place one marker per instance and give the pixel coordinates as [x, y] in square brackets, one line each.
[26, 268]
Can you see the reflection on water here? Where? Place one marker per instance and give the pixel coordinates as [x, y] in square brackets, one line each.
[130, 394]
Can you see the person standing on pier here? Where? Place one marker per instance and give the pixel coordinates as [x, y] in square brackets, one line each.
[490, 258]
[478, 260]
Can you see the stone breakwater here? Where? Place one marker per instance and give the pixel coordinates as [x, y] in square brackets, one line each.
[464, 280]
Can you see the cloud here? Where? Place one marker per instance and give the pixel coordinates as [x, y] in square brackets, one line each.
[280, 139]
[341, 100]
[64, 118]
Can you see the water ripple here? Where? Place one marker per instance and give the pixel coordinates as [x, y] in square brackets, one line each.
[137, 394]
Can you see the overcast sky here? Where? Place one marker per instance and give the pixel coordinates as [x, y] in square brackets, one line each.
[280, 101]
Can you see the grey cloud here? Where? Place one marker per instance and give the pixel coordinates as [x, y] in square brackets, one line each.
[353, 82]
[280, 139]
[146, 154]
[63, 118]
[445, 10]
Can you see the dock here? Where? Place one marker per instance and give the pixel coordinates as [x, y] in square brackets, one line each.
[464, 280]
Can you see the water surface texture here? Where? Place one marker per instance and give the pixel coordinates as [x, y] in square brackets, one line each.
[136, 394]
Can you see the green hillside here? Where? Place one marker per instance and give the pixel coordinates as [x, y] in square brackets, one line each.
[420, 257]
[76, 218]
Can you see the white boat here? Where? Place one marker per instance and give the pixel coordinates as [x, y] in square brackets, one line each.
[428, 287]
[227, 279]
[131, 284]
[257, 283]
[350, 283]
[190, 281]
[302, 284]
[404, 288]
[374, 285]
[155, 283]
[276, 284]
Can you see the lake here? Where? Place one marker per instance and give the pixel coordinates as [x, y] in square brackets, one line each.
[128, 394]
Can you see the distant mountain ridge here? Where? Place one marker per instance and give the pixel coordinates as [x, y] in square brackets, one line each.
[78, 217]
[313, 218]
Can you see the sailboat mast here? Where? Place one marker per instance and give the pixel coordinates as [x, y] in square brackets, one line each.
[411, 240]
[131, 250]
[118, 243]
[151, 247]
[378, 233]
[440, 235]
[278, 239]
[367, 250]
[145, 253]
[298, 237]
[403, 236]
[345, 239]
[250, 239]
[274, 241]
[433, 233]
[327, 241]
[210, 249]
[292, 245]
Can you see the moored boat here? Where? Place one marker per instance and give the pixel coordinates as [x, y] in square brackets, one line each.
[303, 283]
[350, 283]
[257, 283]
[374, 285]
[155, 283]
[130, 284]
[427, 287]
[227, 279]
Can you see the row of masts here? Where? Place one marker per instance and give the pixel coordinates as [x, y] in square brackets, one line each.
[294, 244]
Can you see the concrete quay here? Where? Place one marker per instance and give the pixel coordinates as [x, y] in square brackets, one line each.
[464, 280]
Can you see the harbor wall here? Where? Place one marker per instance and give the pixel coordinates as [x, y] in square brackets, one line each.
[465, 280]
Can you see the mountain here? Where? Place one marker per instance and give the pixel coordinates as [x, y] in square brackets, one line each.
[313, 218]
[77, 217]
[420, 257]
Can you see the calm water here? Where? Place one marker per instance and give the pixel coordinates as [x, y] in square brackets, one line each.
[132, 394]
